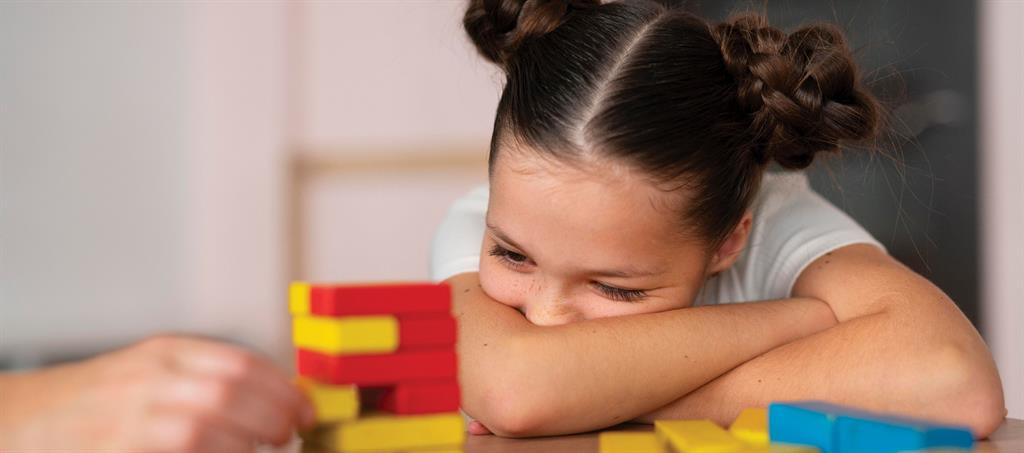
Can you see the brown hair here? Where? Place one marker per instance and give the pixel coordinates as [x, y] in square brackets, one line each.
[686, 101]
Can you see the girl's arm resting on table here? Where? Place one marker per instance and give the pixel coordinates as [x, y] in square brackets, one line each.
[901, 346]
[519, 379]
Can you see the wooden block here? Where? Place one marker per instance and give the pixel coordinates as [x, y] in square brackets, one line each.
[629, 442]
[298, 298]
[418, 331]
[377, 369]
[391, 432]
[441, 449]
[424, 397]
[842, 429]
[877, 433]
[369, 299]
[372, 334]
[751, 426]
[803, 423]
[333, 403]
[696, 436]
[346, 335]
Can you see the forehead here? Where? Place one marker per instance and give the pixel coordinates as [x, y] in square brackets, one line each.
[604, 212]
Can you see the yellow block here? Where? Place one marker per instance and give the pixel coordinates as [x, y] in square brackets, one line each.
[398, 432]
[629, 442]
[697, 436]
[333, 403]
[298, 298]
[751, 426]
[346, 335]
[444, 449]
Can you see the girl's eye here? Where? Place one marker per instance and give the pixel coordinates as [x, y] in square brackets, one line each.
[619, 294]
[512, 259]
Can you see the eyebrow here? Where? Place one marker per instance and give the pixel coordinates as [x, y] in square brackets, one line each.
[624, 273]
[627, 273]
[504, 237]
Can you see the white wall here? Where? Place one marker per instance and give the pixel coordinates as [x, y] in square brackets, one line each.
[92, 243]
[1001, 81]
[395, 74]
[141, 176]
[238, 142]
[372, 227]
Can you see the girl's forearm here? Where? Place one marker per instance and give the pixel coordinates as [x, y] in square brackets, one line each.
[933, 375]
[520, 379]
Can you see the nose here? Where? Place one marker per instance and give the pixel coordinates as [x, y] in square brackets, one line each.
[552, 312]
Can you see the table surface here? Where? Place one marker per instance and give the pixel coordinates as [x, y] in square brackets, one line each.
[1009, 438]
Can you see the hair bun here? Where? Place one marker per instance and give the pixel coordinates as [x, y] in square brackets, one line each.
[802, 90]
[499, 27]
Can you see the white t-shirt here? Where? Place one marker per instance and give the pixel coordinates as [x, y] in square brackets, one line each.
[792, 226]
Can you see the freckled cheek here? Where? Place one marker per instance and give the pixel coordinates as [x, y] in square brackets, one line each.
[505, 285]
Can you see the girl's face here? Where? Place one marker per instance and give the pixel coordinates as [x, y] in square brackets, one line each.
[568, 243]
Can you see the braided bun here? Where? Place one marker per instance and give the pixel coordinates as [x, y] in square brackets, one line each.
[499, 27]
[801, 90]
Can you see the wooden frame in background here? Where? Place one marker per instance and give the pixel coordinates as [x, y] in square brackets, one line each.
[306, 165]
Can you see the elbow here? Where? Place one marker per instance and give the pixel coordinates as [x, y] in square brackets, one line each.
[519, 408]
[988, 421]
[984, 408]
[510, 402]
[507, 413]
[981, 409]
[970, 389]
[514, 422]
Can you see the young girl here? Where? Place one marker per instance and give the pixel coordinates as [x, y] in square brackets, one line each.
[628, 177]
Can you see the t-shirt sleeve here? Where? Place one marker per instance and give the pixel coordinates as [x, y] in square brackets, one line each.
[796, 226]
[456, 245]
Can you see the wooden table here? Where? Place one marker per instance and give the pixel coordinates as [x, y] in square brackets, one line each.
[1008, 439]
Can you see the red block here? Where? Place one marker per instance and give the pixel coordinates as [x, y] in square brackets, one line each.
[380, 299]
[410, 398]
[377, 369]
[418, 332]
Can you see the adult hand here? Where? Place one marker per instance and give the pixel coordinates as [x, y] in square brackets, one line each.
[166, 393]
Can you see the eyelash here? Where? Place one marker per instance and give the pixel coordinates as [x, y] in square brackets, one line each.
[619, 294]
[506, 256]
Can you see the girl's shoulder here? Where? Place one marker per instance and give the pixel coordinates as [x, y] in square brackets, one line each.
[792, 226]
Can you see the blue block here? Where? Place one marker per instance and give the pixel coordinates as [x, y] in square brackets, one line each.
[881, 433]
[841, 429]
[803, 422]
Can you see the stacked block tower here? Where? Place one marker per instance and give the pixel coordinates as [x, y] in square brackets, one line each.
[378, 361]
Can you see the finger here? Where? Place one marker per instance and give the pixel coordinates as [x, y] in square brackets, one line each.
[294, 445]
[220, 359]
[227, 361]
[239, 403]
[478, 428]
[307, 412]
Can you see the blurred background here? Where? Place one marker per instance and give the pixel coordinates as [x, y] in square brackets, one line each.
[170, 166]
